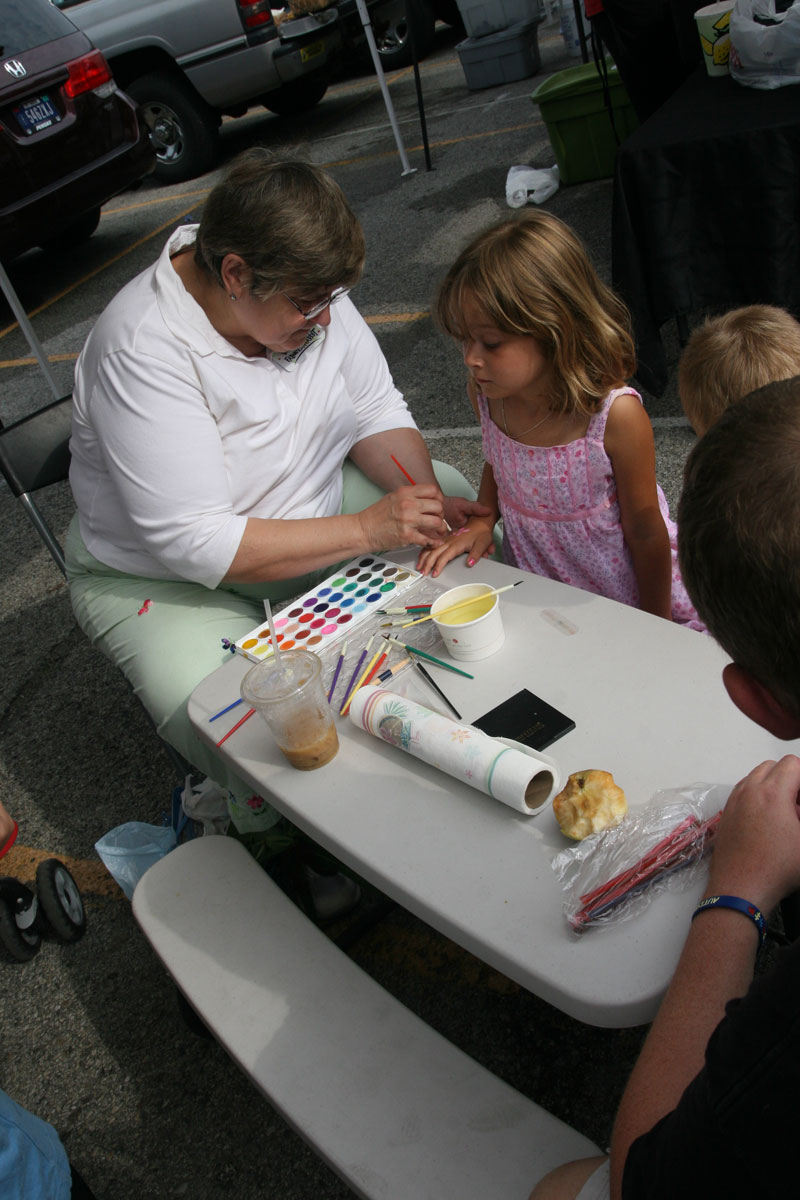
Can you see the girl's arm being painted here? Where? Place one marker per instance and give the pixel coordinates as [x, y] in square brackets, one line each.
[630, 447]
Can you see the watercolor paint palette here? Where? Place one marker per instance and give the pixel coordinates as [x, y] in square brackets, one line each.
[332, 609]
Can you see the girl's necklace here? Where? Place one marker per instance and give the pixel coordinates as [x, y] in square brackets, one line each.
[530, 429]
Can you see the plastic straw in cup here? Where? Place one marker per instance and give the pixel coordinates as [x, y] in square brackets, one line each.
[273, 639]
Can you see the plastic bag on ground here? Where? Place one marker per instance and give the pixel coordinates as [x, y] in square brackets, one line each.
[530, 183]
[128, 850]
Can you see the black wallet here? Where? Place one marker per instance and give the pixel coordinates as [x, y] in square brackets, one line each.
[526, 718]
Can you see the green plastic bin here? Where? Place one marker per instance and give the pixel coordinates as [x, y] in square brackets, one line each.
[573, 108]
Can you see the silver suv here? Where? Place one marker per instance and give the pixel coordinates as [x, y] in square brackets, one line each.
[188, 63]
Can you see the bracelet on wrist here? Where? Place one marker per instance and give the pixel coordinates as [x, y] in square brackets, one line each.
[738, 905]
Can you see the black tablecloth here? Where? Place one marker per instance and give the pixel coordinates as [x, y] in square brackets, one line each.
[705, 209]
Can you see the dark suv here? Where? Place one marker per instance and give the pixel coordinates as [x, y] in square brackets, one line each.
[69, 138]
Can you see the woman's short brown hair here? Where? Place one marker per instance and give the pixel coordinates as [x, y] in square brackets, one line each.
[531, 275]
[288, 220]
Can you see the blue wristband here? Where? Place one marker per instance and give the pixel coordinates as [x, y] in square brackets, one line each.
[743, 906]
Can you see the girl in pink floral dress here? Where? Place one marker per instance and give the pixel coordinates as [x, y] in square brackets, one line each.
[570, 461]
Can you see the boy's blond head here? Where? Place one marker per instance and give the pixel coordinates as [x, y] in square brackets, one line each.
[730, 356]
[739, 535]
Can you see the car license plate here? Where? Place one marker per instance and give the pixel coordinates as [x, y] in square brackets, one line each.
[311, 51]
[35, 115]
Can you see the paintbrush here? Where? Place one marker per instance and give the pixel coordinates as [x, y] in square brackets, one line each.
[451, 608]
[429, 657]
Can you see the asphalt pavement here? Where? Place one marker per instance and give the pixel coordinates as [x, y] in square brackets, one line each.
[92, 1038]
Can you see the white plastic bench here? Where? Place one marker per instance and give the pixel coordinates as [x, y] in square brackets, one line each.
[392, 1106]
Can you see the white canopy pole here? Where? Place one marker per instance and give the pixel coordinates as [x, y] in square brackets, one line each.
[26, 327]
[387, 100]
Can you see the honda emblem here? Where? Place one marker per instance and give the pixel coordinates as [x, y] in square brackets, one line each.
[15, 68]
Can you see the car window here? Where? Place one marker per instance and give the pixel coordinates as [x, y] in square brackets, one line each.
[23, 26]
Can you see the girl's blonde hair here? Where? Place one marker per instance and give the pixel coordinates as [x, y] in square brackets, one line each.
[531, 275]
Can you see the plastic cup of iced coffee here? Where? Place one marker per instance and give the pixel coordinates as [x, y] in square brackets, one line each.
[287, 692]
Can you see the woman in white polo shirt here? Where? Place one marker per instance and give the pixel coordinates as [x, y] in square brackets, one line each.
[234, 422]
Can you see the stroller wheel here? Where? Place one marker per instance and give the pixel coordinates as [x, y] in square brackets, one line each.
[60, 900]
[21, 943]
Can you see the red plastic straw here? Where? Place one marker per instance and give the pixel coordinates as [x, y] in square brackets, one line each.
[662, 858]
[246, 717]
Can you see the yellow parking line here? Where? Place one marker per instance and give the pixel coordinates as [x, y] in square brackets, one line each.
[469, 137]
[378, 319]
[396, 318]
[199, 194]
[85, 278]
[91, 877]
[164, 198]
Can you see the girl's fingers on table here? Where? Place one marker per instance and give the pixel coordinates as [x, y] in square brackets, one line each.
[433, 560]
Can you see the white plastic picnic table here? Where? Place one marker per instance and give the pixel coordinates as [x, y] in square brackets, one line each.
[649, 707]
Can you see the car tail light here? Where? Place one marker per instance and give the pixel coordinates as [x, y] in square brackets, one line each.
[255, 13]
[86, 74]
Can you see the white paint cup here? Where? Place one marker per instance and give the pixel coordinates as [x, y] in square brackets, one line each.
[713, 26]
[474, 631]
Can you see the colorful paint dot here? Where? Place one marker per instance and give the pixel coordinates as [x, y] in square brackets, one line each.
[310, 602]
[372, 597]
[338, 582]
[320, 607]
[346, 603]
[295, 612]
[325, 591]
[287, 646]
[365, 562]
[363, 578]
[329, 629]
[336, 597]
[362, 591]
[303, 634]
[314, 641]
[403, 575]
[318, 623]
[360, 608]
[248, 645]
[344, 618]
[306, 617]
[353, 571]
[333, 612]
[280, 622]
[390, 571]
[264, 650]
[350, 587]
[388, 586]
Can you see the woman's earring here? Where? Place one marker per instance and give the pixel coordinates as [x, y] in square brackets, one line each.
[234, 296]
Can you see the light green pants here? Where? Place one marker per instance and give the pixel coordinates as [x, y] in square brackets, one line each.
[167, 646]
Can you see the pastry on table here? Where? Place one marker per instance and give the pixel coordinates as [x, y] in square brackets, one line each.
[589, 803]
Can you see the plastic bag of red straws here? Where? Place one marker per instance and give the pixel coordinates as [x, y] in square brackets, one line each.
[612, 876]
